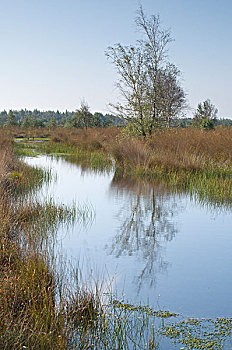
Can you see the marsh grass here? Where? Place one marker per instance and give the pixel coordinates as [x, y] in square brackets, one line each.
[30, 178]
[190, 160]
[117, 328]
[91, 158]
[214, 189]
[29, 314]
[24, 150]
[42, 308]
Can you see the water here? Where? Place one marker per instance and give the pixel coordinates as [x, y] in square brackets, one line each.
[150, 245]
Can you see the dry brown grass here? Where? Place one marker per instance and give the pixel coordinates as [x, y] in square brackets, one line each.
[17, 131]
[199, 162]
[14, 292]
[191, 149]
[29, 315]
[6, 155]
[177, 149]
[192, 160]
[91, 139]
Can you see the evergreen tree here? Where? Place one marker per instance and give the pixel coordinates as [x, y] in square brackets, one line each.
[11, 119]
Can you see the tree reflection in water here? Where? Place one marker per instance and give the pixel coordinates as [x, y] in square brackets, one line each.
[146, 225]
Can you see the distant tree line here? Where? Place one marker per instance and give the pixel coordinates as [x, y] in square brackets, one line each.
[81, 118]
[189, 122]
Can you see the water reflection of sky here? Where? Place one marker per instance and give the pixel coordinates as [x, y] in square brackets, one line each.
[149, 242]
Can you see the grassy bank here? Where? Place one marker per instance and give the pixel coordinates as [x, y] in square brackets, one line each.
[37, 310]
[87, 148]
[45, 307]
[190, 160]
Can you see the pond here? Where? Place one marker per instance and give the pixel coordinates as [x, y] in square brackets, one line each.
[151, 245]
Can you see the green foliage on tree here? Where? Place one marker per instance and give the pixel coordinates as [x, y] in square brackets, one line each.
[149, 84]
[39, 123]
[207, 124]
[52, 122]
[29, 122]
[84, 117]
[98, 119]
[11, 119]
[39, 119]
[205, 115]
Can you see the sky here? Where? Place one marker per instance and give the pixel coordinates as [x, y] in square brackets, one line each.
[52, 52]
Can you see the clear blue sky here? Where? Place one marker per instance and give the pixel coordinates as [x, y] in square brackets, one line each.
[52, 51]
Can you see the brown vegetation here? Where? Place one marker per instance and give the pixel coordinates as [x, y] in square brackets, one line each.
[198, 161]
[29, 314]
[176, 149]
[191, 148]
[24, 275]
[6, 159]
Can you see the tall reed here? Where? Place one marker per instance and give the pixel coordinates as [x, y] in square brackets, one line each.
[43, 306]
[192, 160]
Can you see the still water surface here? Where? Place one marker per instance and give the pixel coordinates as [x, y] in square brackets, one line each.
[151, 245]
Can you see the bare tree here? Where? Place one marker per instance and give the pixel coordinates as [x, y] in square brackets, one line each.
[148, 83]
[171, 99]
[129, 62]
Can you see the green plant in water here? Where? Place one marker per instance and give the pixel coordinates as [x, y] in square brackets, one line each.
[81, 320]
[214, 334]
[94, 159]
